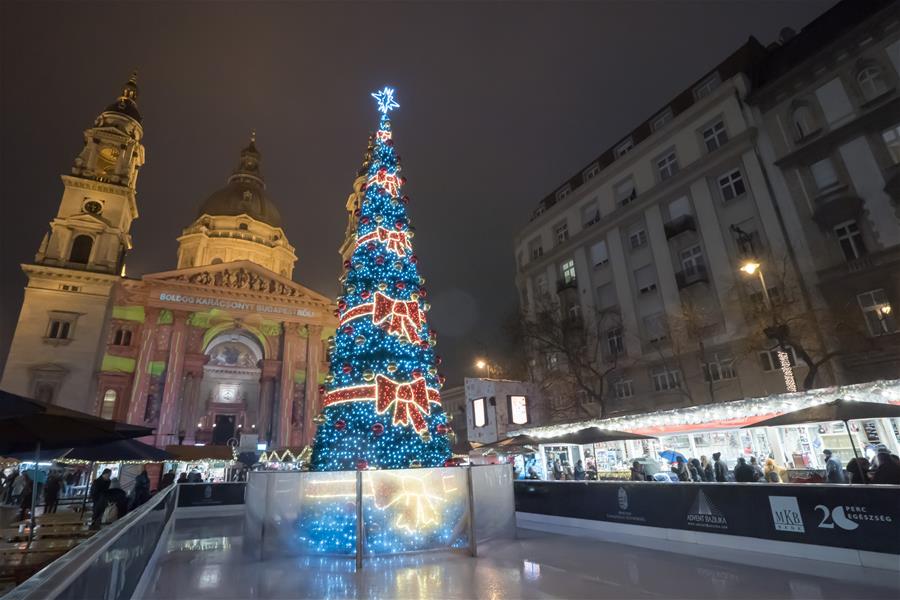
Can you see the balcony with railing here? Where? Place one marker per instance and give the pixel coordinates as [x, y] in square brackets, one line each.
[679, 225]
[566, 283]
[688, 277]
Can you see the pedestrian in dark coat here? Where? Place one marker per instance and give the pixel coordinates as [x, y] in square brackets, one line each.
[887, 470]
[743, 472]
[141, 489]
[719, 468]
[695, 470]
[99, 497]
[51, 493]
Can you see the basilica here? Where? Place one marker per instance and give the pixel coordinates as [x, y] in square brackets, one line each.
[224, 345]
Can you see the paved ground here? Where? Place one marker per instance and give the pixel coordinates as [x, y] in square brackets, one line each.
[205, 559]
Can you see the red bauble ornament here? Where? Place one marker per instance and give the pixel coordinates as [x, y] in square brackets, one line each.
[416, 374]
[402, 180]
[442, 429]
[346, 368]
[357, 212]
[348, 329]
[364, 220]
[379, 260]
[423, 292]
[378, 429]
[400, 285]
[438, 360]
[321, 389]
[370, 246]
[442, 379]
[365, 294]
[399, 224]
[340, 424]
[424, 344]
[341, 305]
[347, 264]
[362, 464]
[405, 199]
[413, 259]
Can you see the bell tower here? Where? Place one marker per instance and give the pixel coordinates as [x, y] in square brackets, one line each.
[91, 228]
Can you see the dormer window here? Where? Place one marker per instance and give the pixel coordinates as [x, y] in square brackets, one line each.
[624, 148]
[561, 194]
[243, 226]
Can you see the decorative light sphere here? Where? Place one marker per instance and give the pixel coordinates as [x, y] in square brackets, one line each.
[340, 424]
[377, 429]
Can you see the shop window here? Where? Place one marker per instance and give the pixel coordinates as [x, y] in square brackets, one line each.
[715, 136]
[518, 410]
[770, 362]
[871, 82]
[665, 379]
[81, 249]
[479, 412]
[731, 185]
[878, 312]
[108, 408]
[850, 238]
[623, 388]
[719, 369]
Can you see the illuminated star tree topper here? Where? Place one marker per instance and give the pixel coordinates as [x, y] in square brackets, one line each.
[385, 98]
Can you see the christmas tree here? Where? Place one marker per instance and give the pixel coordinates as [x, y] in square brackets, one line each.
[381, 399]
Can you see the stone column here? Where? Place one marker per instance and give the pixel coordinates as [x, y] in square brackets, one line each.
[168, 418]
[141, 381]
[269, 370]
[311, 405]
[290, 342]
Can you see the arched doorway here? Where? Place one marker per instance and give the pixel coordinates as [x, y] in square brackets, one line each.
[230, 389]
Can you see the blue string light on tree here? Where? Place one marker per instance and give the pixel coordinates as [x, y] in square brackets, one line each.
[381, 398]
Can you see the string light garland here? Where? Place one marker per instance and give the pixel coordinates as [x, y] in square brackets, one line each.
[382, 407]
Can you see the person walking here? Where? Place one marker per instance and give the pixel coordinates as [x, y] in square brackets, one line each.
[706, 471]
[167, 480]
[744, 473]
[695, 470]
[182, 477]
[141, 488]
[887, 468]
[557, 471]
[100, 497]
[834, 470]
[51, 492]
[579, 471]
[15, 491]
[719, 468]
[10, 484]
[680, 469]
[27, 489]
[760, 476]
[770, 472]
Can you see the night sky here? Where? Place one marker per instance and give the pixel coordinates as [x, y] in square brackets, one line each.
[500, 103]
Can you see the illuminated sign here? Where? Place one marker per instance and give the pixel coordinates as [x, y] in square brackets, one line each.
[236, 305]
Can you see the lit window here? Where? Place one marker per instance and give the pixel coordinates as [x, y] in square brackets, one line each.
[824, 174]
[667, 166]
[770, 362]
[715, 136]
[891, 139]
[719, 369]
[692, 261]
[871, 82]
[655, 326]
[645, 279]
[479, 412]
[850, 239]
[518, 410]
[562, 232]
[665, 379]
[107, 410]
[625, 192]
[878, 312]
[536, 249]
[804, 121]
[706, 87]
[637, 239]
[599, 254]
[615, 342]
[591, 172]
[732, 185]
[623, 388]
[568, 271]
[624, 148]
[661, 119]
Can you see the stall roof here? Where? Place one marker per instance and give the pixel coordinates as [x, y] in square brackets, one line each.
[191, 453]
[727, 415]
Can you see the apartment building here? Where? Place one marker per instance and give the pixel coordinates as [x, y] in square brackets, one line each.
[642, 247]
[828, 100]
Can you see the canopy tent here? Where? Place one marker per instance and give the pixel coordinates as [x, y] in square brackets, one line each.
[588, 435]
[836, 410]
[196, 453]
[118, 451]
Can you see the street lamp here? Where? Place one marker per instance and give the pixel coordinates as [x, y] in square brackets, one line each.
[483, 365]
[750, 268]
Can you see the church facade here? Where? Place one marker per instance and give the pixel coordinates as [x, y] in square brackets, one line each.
[226, 344]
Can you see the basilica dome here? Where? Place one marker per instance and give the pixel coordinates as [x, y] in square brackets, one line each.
[245, 193]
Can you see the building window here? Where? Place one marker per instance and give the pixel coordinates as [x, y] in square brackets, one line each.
[645, 279]
[706, 87]
[536, 248]
[715, 136]
[661, 119]
[732, 185]
[665, 379]
[625, 192]
[769, 358]
[59, 329]
[81, 249]
[108, 408]
[637, 239]
[70, 288]
[243, 226]
[623, 388]
[561, 231]
[591, 172]
[479, 412]
[615, 342]
[518, 410]
[599, 254]
[824, 174]
[122, 337]
[567, 270]
[606, 296]
[719, 369]
[692, 261]
[878, 312]
[891, 139]
[667, 165]
[624, 148]
[656, 328]
[804, 121]
[561, 194]
[871, 82]
[850, 239]
[590, 214]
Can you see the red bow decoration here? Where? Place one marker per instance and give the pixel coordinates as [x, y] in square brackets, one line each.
[402, 317]
[396, 241]
[410, 401]
[389, 181]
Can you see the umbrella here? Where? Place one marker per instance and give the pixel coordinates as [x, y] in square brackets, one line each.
[672, 455]
[836, 410]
